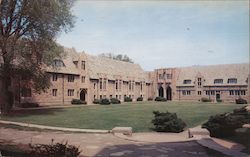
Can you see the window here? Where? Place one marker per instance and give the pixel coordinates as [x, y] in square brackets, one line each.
[141, 86]
[71, 78]
[242, 92]
[187, 82]
[26, 92]
[232, 80]
[104, 84]
[54, 77]
[100, 96]
[212, 92]
[120, 97]
[54, 92]
[199, 92]
[183, 92]
[83, 65]
[188, 92]
[83, 79]
[110, 96]
[237, 92]
[116, 96]
[169, 76]
[218, 81]
[100, 84]
[58, 63]
[94, 85]
[231, 92]
[94, 96]
[116, 85]
[199, 82]
[70, 92]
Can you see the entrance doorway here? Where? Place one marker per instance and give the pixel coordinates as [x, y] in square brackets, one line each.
[161, 94]
[83, 95]
[169, 93]
[217, 97]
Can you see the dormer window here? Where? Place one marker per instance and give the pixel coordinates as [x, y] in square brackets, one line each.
[58, 63]
[76, 63]
[218, 81]
[187, 82]
[232, 81]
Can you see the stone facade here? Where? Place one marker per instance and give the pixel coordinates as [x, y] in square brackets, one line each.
[86, 77]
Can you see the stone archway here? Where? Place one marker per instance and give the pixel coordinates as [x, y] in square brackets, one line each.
[83, 94]
[161, 91]
[169, 93]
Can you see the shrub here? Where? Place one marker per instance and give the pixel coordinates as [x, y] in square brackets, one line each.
[77, 101]
[240, 101]
[128, 99]
[205, 99]
[140, 99]
[167, 122]
[219, 100]
[54, 150]
[150, 99]
[28, 105]
[223, 125]
[115, 101]
[160, 99]
[104, 101]
[96, 101]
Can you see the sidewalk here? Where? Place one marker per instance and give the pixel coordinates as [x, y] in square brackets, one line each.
[99, 140]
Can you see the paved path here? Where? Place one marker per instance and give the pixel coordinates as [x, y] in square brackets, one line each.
[104, 145]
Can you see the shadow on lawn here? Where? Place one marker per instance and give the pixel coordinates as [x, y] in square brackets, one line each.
[28, 112]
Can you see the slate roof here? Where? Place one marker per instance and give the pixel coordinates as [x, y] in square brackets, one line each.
[113, 69]
[211, 72]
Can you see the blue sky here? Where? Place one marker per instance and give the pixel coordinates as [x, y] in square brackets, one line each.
[159, 34]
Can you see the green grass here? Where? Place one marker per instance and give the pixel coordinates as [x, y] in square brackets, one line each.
[137, 115]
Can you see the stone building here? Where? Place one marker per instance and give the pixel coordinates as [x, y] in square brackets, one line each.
[86, 77]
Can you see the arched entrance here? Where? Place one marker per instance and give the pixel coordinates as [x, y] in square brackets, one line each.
[83, 95]
[161, 92]
[169, 93]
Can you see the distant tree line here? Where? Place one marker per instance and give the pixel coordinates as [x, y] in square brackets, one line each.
[119, 57]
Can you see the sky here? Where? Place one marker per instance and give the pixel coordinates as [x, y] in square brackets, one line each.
[158, 34]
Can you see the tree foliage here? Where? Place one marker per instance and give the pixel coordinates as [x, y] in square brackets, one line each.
[28, 29]
[119, 57]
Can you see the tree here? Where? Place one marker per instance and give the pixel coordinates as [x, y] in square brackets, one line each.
[118, 57]
[28, 29]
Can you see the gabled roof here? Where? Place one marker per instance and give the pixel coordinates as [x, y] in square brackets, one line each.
[69, 68]
[113, 69]
[211, 72]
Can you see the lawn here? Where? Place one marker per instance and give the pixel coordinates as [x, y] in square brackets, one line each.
[138, 115]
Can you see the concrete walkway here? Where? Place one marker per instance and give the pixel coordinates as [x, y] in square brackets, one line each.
[55, 128]
[103, 145]
[225, 147]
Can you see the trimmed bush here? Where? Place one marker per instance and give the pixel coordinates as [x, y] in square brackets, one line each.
[104, 101]
[160, 99]
[205, 99]
[140, 99]
[150, 99]
[219, 100]
[54, 150]
[28, 105]
[128, 99]
[96, 101]
[167, 122]
[240, 101]
[77, 102]
[115, 101]
[224, 125]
